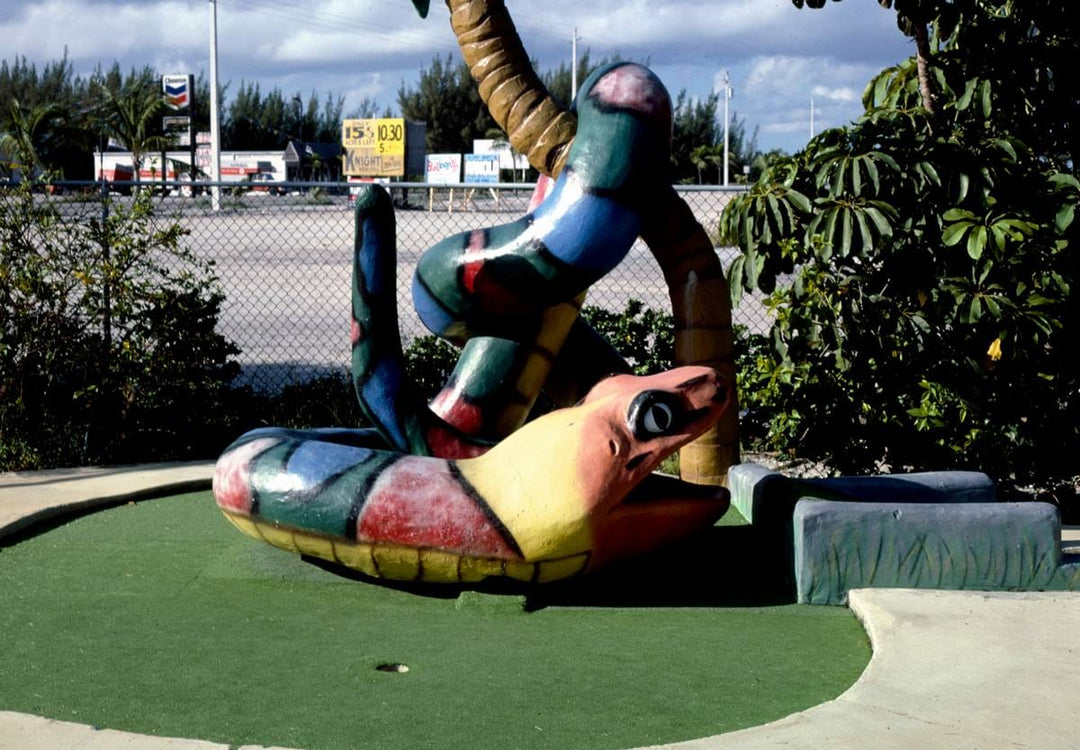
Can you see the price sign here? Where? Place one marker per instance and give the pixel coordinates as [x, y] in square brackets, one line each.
[374, 146]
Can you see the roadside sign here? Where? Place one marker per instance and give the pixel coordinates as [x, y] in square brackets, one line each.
[374, 147]
[443, 169]
[177, 91]
[482, 169]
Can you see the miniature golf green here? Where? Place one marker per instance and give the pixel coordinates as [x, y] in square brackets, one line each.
[159, 617]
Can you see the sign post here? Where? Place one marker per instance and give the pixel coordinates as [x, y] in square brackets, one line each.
[178, 91]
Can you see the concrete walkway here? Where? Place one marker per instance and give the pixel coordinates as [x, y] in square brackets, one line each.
[950, 670]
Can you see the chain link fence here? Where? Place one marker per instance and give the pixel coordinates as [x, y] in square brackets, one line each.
[284, 260]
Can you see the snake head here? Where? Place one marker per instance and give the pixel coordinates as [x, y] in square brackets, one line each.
[579, 481]
[649, 419]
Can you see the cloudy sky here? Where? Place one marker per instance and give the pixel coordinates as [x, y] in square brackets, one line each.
[778, 57]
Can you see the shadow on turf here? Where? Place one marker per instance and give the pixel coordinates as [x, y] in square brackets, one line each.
[724, 566]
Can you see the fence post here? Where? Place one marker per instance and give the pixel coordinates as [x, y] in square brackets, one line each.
[106, 294]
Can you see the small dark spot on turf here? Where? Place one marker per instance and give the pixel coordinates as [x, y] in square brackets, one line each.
[392, 667]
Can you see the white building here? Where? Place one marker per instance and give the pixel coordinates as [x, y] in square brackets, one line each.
[235, 165]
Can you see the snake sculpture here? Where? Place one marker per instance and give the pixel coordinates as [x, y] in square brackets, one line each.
[459, 490]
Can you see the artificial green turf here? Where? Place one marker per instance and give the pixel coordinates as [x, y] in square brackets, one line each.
[159, 617]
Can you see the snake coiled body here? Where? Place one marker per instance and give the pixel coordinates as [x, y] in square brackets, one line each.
[344, 496]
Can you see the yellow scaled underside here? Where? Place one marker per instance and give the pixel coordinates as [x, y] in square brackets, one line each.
[398, 563]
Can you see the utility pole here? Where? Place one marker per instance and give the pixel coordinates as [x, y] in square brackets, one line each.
[215, 115]
[728, 93]
[573, 64]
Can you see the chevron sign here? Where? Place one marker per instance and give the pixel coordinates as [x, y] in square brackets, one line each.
[177, 91]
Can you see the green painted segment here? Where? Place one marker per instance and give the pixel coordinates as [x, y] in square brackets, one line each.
[159, 618]
[839, 546]
[642, 160]
[322, 509]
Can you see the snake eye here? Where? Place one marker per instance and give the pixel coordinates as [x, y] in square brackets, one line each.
[657, 419]
[653, 413]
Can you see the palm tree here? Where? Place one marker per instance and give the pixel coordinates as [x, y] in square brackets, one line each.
[32, 131]
[131, 116]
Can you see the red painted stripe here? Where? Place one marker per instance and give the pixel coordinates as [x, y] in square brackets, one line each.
[417, 502]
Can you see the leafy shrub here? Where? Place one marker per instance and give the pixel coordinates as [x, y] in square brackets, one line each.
[643, 336]
[428, 363]
[108, 347]
[922, 272]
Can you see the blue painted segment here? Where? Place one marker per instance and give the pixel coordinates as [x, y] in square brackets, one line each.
[839, 546]
[593, 233]
[432, 314]
[377, 280]
[382, 394]
[315, 461]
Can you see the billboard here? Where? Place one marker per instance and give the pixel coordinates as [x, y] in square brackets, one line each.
[374, 147]
[481, 169]
[443, 169]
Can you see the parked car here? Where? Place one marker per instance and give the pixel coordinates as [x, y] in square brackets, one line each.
[261, 182]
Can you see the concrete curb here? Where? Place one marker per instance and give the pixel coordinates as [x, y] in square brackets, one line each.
[28, 498]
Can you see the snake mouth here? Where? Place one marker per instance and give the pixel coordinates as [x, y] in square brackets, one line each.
[660, 488]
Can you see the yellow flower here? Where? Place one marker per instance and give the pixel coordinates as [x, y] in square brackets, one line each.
[994, 352]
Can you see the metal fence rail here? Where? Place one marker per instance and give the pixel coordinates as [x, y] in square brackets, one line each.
[284, 260]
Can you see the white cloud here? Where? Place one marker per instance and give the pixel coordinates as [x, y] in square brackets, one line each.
[841, 94]
[778, 56]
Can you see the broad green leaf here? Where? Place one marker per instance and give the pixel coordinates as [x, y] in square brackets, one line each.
[799, 200]
[1005, 146]
[998, 236]
[1065, 216]
[888, 160]
[871, 171]
[884, 229]
[1066, 180]
[955, 214]
[974, 310]
[837, 186]
[786, 216]
[963, 182]
[955, 232]
[856, 176]
[864, 233]
[976, 242]
[846, 230]
[829, 233]
[748, 235]
[735, 279]
[774, 213]
[985, 99]
[969, 90]
[931, 174]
